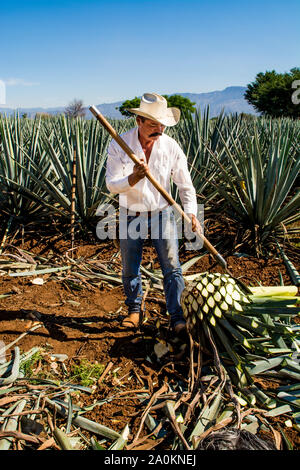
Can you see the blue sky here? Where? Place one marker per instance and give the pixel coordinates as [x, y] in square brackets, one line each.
[55, 51]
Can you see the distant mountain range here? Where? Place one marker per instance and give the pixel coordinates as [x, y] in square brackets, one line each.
[231, 99]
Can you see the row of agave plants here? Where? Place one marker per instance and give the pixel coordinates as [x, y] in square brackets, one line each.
[243, 168]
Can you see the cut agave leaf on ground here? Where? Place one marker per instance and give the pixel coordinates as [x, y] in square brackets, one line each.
[227, 412]
[248, 323]
[265, 400]
[97, 428]
[272, 303]
[152, 424]
[76, 442]
[289, 388]
[279, 350]
[263, 365]
[158, 276]
[249, 397]
[62, 439]
[294, 400]
[14, 370]
[296, 417]
[235, 333]
[280, 410]
[242, 401]
[291, 374]
[87, 424]
[291, 364]
[40, 271]
[206, 417]
[287, 442]
[120, 443]
[188, 264]
[70, 413]
[250, 427]
[95, 445]
[12, 424]
[272, 291]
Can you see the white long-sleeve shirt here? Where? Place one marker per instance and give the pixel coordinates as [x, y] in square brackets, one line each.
[167, 160]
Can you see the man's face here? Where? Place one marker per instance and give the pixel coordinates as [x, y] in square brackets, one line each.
[150, 130]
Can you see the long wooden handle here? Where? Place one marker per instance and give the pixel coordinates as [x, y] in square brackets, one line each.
[155, 183]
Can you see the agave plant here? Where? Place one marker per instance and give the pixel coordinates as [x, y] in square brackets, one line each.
[36, 166]
[250, 165]
[90, 142]
[24, 193]
[259, 183]
[246, 325]
[193, 133]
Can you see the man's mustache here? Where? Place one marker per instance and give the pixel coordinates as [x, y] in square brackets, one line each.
[155, 134]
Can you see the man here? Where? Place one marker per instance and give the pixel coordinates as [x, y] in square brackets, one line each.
[145, 209]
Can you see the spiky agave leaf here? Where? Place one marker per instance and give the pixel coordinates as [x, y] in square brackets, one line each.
[36, 158]
[266, 160]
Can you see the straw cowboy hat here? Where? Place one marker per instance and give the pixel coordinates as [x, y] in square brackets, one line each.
[153, 106]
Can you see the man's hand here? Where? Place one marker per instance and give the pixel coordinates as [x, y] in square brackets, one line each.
[196, 226]
[139, 172]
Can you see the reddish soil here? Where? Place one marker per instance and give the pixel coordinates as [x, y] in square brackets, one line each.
[103, 339]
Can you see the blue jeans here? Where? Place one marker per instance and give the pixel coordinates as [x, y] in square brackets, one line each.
[163, 234]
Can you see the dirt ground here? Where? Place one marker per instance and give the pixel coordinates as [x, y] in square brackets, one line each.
[62, 309]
